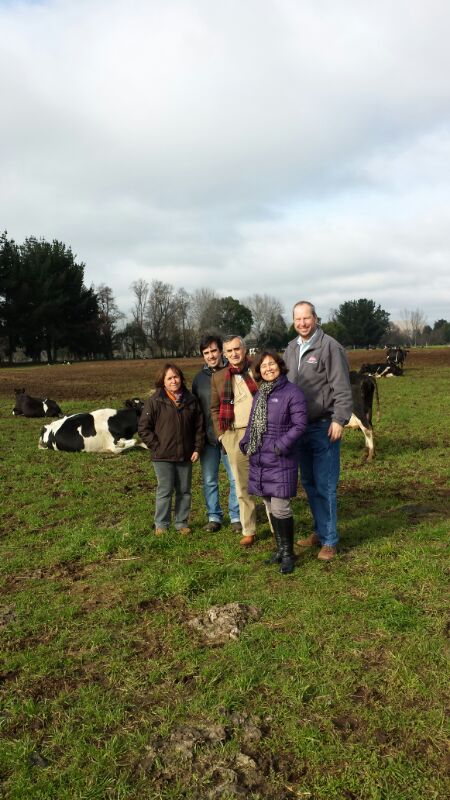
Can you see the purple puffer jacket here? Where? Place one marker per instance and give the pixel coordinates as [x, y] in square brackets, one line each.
[273, 475]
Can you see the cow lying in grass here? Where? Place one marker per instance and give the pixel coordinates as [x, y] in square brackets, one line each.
[381, 370]
[105, 430]
[363, 389]
[27, 406]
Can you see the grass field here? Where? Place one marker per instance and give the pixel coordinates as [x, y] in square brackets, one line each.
[338, 691]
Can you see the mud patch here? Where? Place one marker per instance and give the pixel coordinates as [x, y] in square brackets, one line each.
[197, 752]
[416, 510]
[368, 696]
[346, 725]
[7, 616]
[218, 624]
[71, 571]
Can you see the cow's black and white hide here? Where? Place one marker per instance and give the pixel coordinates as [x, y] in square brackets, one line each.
[381, 370]
[105, 430]
[363, 389]
[396, 357]
[27, 406]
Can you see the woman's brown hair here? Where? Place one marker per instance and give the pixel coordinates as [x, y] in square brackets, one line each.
[159, 382]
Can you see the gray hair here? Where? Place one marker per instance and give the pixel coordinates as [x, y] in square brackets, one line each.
[305, 303]
[232, 336]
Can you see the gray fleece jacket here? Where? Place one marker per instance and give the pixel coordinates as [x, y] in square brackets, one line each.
[323, 377]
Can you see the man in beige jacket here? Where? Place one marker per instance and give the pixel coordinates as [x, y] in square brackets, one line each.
[232, 391]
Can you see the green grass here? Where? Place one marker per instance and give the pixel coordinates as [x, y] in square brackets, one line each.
[345, 673]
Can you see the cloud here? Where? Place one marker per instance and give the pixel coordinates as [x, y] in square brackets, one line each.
[266, 144]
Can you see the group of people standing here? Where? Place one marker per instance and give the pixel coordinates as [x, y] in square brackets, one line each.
[262, 421]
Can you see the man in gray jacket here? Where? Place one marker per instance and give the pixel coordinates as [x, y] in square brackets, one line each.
[318, 364]
[211, 349]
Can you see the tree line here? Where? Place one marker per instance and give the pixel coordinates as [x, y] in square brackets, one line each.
[46, 310]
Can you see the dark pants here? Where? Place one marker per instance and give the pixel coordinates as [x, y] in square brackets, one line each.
[319, 469]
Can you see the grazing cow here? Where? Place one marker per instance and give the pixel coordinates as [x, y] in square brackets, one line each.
[383, 370]
[27, 406]
[105, 430]
[363, 389]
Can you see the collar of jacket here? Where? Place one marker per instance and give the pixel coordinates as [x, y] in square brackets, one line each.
[210, 371]
[317, 339]
[282, 380]
[163, 398]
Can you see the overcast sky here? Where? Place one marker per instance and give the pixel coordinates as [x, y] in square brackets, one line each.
[296, 148]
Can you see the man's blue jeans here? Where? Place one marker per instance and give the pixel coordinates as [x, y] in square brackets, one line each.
[210, 462]
[319, 469]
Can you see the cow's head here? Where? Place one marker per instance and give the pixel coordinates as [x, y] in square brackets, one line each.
[136, 404]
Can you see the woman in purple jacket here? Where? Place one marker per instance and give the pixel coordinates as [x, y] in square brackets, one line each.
[277, 420]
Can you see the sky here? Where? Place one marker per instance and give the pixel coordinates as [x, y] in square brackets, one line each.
[294, 148]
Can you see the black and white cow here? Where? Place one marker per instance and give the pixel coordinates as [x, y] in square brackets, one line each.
[396, 357]
[27, 406]
[363, 389]
[381, 370]
[105, 430]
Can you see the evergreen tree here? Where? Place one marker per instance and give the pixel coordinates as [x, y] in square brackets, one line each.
[361, 322]
[44, 304]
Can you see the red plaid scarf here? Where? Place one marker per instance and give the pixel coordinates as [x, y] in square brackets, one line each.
[226, 412]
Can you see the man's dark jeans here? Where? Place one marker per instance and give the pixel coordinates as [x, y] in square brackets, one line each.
[319, 469]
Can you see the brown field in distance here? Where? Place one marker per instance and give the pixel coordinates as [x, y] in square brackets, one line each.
[104, 380]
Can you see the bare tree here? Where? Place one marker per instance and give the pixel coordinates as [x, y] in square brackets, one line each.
[160, 316]
[141, 290]
[203, 310]
[414, 323]
[184, 322]
[267, 313]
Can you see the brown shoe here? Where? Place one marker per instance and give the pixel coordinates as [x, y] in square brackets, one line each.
[247, 540]
[160, 531]
[184, 531]
[310, 541]
[327, 553]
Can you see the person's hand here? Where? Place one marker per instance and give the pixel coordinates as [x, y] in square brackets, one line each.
[335, 432]
[195, 456]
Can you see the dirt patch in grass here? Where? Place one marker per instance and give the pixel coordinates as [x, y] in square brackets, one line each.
[218, 624]
[71, 572]
[196, 753]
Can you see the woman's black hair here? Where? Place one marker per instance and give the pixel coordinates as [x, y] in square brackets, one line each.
[256, 367]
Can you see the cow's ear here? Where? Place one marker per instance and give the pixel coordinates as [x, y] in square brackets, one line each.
[128, 404]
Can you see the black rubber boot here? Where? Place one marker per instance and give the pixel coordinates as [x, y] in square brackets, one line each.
[286, 534]
[275, 558]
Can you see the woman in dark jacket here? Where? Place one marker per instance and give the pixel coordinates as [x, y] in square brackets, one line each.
[277, 420]
[171, 425]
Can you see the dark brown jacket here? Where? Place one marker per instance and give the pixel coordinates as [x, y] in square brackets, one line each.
[171, 433]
